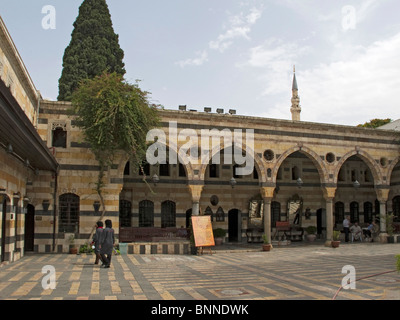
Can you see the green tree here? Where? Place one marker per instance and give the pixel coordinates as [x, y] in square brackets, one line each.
[115, 117]
[94, 48]
[375, 123]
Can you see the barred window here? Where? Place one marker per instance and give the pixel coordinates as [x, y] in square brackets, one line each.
[220, 215]
[59, 137]
[275, 212]
[367, 211]
[339, 212]
[146, 213]
[168, 214]
[69, 213]
[125, 213]
[354, 210]
[209, 212]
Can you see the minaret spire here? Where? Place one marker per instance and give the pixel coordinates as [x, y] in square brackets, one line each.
[295, 109]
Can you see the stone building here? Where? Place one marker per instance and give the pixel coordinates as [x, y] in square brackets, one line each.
[47, 173]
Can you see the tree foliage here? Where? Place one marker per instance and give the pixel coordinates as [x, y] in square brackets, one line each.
[94, 48]
[115, 116]
[375, 123]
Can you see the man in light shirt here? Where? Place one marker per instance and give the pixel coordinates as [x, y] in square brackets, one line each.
[346, 228]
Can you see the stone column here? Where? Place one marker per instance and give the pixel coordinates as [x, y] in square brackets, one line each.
[267, 194]
[382, 194]
[329, 195]
[195, 191]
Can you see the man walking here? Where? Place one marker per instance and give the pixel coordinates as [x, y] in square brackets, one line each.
[107, 243]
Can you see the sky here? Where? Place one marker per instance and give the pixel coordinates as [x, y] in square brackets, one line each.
[235, 54]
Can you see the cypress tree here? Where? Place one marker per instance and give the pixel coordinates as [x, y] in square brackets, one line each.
[94, 48]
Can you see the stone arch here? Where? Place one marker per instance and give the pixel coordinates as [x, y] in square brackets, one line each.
[390, 169]
[314, 157]
[368, 160]
[188, 167]
[259, 165]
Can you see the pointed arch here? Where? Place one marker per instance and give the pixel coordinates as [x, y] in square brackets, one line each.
[367, 159]
[258, 163]
[312, 155]
[390, 169]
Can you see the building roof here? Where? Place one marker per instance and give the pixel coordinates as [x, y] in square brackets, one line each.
[394, 125]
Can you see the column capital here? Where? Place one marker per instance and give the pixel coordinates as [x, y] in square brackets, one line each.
[267, 193]
[382, 193]
[329, 192]
[195, 191]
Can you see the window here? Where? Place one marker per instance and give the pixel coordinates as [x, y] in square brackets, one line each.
[220, 215]
[164, 170]
[182, 172]
[69, 213]
[367, 211]
[354, 210]
[339, 212]
[59, 139]
[146, 213]
[275, 212]
[208, 212]
[295, 173]
[127, 169]
[125, 213]
[213, 170]
[168, 214]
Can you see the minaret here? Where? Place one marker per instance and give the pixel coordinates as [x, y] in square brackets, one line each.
[295, 109]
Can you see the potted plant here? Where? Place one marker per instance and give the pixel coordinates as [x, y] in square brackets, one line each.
[335, 242]
[390, 227]
[72, 248]
[266, 245]
[311, 233]
[219, 235]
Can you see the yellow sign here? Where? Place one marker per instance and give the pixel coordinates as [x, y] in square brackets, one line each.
[202, 230]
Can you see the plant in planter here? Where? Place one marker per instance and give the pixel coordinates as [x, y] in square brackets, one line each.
[335, 242]
[311, 233]
[266, 245]
[72, 248]
[219, 235]
[390, 227]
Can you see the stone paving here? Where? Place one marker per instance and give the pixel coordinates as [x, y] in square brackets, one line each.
[294, 272]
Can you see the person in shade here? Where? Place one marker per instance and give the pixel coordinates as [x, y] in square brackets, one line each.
[96, 241]
[107, 244]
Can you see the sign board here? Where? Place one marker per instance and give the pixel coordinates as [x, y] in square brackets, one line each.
[202, 230]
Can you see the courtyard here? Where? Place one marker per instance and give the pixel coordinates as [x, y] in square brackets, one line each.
[230, 273]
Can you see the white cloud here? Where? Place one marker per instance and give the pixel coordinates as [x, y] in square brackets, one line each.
[239, 27]
[201, 58]
[357, 89]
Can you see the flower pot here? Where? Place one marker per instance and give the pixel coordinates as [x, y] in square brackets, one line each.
[335, 244]
[218, 241]
[311, 237]
[73, 250]
[266, 247]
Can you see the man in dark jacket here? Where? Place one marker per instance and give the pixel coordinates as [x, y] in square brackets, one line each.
[96, 241]
[107, 244]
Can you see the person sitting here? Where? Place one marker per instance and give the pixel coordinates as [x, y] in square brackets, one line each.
[368, 232]
[356, 232]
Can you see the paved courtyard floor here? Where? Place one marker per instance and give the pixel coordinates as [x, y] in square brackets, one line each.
[294, 272]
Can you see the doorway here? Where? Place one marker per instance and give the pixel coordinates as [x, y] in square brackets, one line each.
[321, 222]
[234, 225]
[30, 228]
